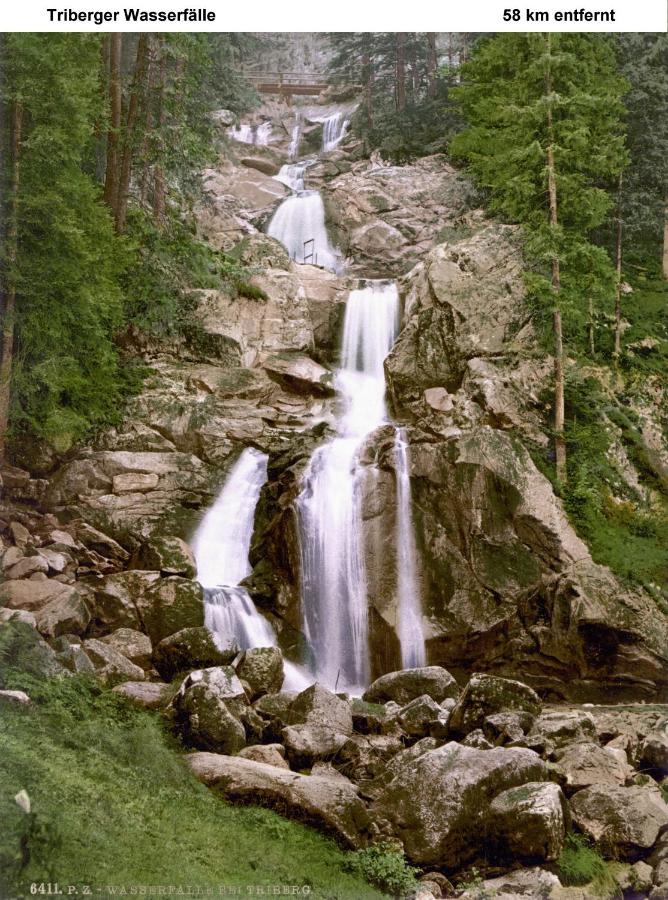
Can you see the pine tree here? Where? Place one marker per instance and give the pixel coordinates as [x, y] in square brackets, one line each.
[544, 132]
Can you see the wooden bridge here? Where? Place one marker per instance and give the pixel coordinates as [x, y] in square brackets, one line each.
[288, 84]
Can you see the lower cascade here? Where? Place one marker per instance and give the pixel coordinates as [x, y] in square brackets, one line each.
[333, 579]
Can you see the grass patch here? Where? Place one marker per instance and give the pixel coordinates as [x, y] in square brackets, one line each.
[579, 863]
[386, 867]
[113, 804]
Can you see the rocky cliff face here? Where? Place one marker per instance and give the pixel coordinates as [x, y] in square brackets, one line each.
[506, 584]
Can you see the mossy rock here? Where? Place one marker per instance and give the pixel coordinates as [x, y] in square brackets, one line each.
[187, 649]
[170, 605]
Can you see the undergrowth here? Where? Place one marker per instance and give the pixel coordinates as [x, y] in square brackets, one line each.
[384, 866]
[579, 863]
[111, 803]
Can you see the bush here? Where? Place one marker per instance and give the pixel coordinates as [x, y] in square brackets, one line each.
[579, 862]
[385, 867]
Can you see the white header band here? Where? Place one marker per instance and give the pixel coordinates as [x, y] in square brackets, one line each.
[344, 15]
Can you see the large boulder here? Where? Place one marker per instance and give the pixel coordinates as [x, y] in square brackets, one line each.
[623, 821]
[21, 647]
[653, 751]
[170, 605]
[262, 670]
[485, 695]
[187, 649]
[65, 614]
[146, 694]
[208, 708]
[117, 598]
[132, 644]
[167, 554]
[583, 764]
[300, 374]
[437, 803]
[33, 595]
[307, 744]
[408, 684]
[328, 804]
[529, 823]
[110, 665]
[417, 716]
[320, 707]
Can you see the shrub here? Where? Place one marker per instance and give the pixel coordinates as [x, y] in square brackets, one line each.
[579, 862]
[385, 867]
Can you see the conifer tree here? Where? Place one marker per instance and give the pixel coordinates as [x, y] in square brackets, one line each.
[545, 130]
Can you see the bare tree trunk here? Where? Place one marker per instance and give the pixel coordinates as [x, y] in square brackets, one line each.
[113, 137]
[591, 331]
[665, 239]
[137, 92]
[159, 176]
[618, 270]
[9, 304]
[400, 75]
[431, 63]
[367, 76]
[415, 73]
[559, 442]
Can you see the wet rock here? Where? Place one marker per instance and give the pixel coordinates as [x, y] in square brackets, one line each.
[653, 751]
[187, 649]
[369, 718]
[208, 709]
[110, 665]
[262, 670]
[274, 709]
[408, 684]
[531, 883]
[166, 554]
[485, 695]
[623, 821]
[330, 805]
[269, 754]
[437, 805]
[320, 707]
[132, 644]
[147, 694]
[529, 823]
[170, 605]
[307, 744]
[583, 764]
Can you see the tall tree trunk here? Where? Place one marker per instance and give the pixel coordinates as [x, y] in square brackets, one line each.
[431, 63]
[591, 330]
[400, 74]
[113, 136]
[559, 442]
[618, 270]
[137, 93]
[665, 239]
[367, 78]
[159, 176]
[415, 72]
[9, 304]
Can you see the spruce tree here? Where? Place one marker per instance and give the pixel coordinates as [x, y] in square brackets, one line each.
[545, 132]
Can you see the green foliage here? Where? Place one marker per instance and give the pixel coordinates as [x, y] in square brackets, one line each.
[112, 803]
[385, 867]
[474, 883]
[579, 863]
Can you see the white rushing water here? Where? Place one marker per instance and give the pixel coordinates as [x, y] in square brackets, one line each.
[251, 134]
[221, 544]
[299, 224]
[334, 130]
[334, 593]
[295, 136]
[409, 618]
[292, 175]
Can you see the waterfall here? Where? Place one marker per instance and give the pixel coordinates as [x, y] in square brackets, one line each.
[334, 595]
[409, 618]
[292, 175]
[299, 224]
[221, 545]
[251, 134]
[333, 132]
[293, 148]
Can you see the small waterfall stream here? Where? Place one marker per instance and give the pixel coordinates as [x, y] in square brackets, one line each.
[335, 128]
[299, 224]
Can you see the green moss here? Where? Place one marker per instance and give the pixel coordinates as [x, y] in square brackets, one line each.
[112, 803]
